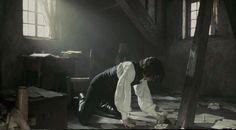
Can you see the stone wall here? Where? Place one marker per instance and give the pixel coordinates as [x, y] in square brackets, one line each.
[219, 72]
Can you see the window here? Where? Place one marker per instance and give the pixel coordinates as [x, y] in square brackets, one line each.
[193, 17]
[191, 13]
[38, 18]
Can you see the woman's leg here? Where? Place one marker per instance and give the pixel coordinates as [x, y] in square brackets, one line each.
[92, 100]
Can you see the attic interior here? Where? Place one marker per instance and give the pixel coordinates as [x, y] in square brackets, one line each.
[52, 49]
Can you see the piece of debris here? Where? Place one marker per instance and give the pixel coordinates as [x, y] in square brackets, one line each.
[225, 124]
[15, 119]
[207, 118]
[214, 106]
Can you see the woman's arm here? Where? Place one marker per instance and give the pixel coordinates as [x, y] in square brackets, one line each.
[122, 99]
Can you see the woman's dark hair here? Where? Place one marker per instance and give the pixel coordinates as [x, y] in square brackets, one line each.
[152, 67]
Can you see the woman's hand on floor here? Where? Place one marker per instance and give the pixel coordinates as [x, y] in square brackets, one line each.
[128, 123]
[161, 117]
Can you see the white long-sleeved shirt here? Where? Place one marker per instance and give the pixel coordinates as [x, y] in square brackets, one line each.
[126, 75]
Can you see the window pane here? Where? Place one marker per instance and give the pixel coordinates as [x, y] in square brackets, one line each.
[31, 30]
[192, 32]
[25, 4]
[31, 17]
[47, 32]
[49, 3]
[53, 4]
[43, 31]
[198, 5]
[40, 31]
[28, 30]
[32, 5]
[194, 15]
[25, 17]
[40, 7]
[41, 20]
[193, 19]
[193, 23]
[193, 6]
[25, 29]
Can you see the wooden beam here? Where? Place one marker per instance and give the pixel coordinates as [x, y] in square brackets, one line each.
[195, 66]
[141, 19]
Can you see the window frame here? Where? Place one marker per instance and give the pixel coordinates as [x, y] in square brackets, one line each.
[36, 24]
[187, 20]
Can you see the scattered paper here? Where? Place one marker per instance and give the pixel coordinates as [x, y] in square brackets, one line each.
[225, 124]
[40, 54]
[39, 92]
[168, 98]
[160, 126]
[70, 54]
[207, 118]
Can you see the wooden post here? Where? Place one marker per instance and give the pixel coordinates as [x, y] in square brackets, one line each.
[22, 101]
[195, 66]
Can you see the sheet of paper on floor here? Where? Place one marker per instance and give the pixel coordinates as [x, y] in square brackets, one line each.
[40, 55]
[168, 98]
[37, 92]
[160, 126]
[206, 118]
[225, 123]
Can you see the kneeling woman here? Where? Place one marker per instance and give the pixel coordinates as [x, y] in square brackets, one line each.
[113, 86]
